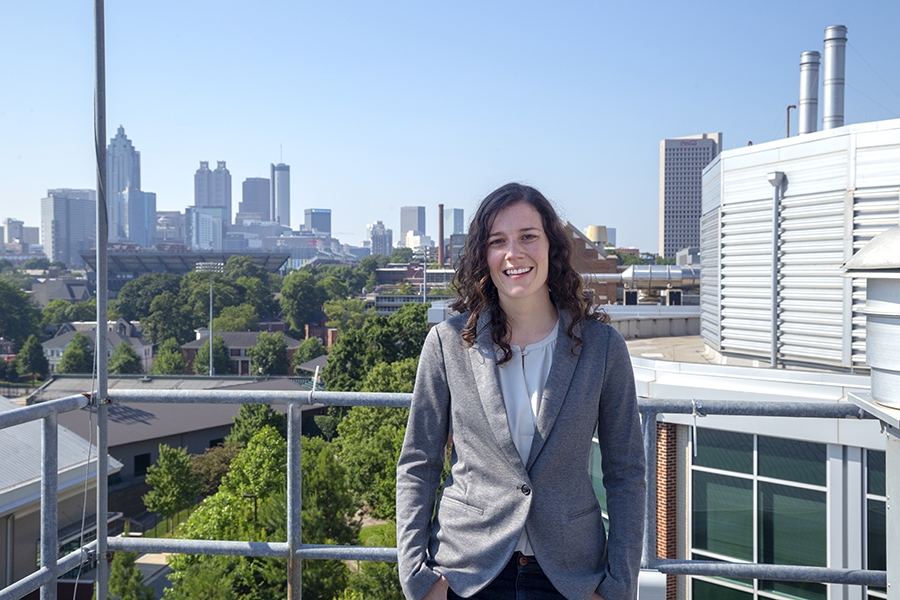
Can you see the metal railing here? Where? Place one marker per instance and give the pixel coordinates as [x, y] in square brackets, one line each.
[294, 549]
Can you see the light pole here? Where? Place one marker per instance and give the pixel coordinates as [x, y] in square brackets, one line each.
[211, 268]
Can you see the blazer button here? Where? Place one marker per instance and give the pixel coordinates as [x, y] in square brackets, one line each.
[526, 489]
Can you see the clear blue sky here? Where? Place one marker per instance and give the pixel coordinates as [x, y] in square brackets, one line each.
[379, 105]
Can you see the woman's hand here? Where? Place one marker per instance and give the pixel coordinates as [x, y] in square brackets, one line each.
[438, 591]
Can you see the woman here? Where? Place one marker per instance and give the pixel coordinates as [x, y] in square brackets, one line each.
[520, 380]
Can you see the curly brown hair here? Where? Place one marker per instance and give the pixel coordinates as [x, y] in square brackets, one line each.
[475, 288]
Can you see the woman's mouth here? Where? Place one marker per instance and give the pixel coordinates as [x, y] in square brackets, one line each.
[519, 271]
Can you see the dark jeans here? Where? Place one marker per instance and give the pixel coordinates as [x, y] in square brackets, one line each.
[517, 581]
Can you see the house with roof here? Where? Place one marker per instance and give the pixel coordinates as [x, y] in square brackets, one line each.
[70, 289]
[116, 333]
[20, 493]
[238, 344]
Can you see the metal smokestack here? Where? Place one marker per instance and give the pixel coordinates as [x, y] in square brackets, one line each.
[441, 235]
[809, 93]
[833, 80]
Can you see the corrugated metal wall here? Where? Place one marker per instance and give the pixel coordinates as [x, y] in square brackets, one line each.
[709, 254]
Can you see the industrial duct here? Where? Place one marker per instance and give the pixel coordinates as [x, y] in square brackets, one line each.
[809, 92]
[833, 80]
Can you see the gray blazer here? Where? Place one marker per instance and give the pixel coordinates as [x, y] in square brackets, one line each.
[471, 533]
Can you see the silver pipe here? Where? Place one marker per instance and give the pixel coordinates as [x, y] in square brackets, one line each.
[17, 416]
[650, 277]
[648, 426]
[807, 119]
[775, 178]
[49, 500]
[833, 81]
[258, 549]
[30, 583]
[295, 501]
[212, 368]
[776, 572]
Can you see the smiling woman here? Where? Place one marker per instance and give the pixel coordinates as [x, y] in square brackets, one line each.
[520, 380]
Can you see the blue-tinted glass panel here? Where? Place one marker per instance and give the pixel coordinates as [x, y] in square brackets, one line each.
[876, 537]
[792, 460]
[704, 590]
[875, 472]
[747, 583]
[792, 531]
[724, 450]
[722, 515]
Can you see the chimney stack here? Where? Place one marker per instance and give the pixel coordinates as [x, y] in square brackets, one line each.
[833, 80]
[809, 93]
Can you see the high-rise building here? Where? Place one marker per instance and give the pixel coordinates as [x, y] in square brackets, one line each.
[203, 229]
[68, 224]
[170, 225]
[139, 216]
[454, 223]
[318, 219]
[212, 189]
[123, 171]
[412, 219]
[13, 230]
[280, 199]
[380, 238]
[681, 163]
[255, 197]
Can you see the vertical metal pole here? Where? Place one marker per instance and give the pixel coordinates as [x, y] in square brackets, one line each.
[102, 360]
[425, 277]
[790, 106]
[212, 369]
[892, 460]
[775, 178]
[294, 501]
[648, 426]
[49, 501]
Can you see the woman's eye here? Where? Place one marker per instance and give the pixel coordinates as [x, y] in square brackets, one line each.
[495, 242]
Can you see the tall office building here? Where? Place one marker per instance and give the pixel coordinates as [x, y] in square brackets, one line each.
[212, 189]
[454, 223]
[318, 219]
[255, 197]
[123, 171]
[68, 224]
[280, 197]
[380, 238]
[13, 230]
[203, 229]
[139, 216]
[412, 219]
[681, 163]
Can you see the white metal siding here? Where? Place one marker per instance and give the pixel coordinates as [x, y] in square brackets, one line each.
[709, 255]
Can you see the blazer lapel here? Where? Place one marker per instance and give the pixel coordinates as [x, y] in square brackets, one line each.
[556, 388]
[487, 383]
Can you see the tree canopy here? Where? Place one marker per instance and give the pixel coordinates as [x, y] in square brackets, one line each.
[251, 418]
[78, 356]
[19, 318]
[31, 358]
[221, 360]
[126, 581]
[237, 318]
[169, 359]
[168, 318]
[269, 355]
[136, 296]
[172, 485]
[300, 298]
[125, 360]
[309, 349]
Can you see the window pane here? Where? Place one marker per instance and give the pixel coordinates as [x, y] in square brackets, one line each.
[722, 515]
[703, 590]
[724, 450]
[803, 462]
[876, 539]
[875, 472]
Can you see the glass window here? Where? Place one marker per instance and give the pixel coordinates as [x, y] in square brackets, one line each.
[722, 515]
[791, 460]
[141, 463]
[724, 450]
[704, 590]
[875, 472]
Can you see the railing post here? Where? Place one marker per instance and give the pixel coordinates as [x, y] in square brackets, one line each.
[294, 501]
[49, 500]
[648, 424]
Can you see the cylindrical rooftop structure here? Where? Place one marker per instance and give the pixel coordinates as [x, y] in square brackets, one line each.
[833, 80]
[809, 93]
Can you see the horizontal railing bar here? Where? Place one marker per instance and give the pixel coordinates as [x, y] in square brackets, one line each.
[259, 397]
[18, 416]
[755, 408]
[233, 548]
[32, 582]
[771, 572]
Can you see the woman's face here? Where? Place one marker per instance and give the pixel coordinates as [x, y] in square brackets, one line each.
[517, 254]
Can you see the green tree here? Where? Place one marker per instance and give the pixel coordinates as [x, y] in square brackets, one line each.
[309, 349]
[18, 318]
[221, 361]
[300, 297]
[269, 355]
[346, 315]
[126, 581]
[334, 288]
[31, 358]
[37, 264]
[237, 318]
[82, 311]
[258, 294]
[210, 467]
[242, 265]
[172, 485]
[169, 359]
[346, 364]
[194, 294]
[78, 356]
[125, 360]
[401, 255]
[136, 296]
[55, 313]
[5, 264]
[397, 377]
[209, 578]
[376, 580]
[251, 418]
[168, 318]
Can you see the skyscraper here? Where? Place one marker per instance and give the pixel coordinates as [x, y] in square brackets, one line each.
[681, 163]
[412, 218]
[454, 223]
[13, 230]
[380, 238]
[255, 197]
[123, 171]
[281, 194]
[68, 219]
[212, 189]
[139, 216]
[318, 219]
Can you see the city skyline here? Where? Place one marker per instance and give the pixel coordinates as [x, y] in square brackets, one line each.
[438, 122]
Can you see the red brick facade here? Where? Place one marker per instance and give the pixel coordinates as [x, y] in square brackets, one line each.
[666, 498]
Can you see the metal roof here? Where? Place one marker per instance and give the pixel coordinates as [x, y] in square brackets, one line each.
[239, 339]
[180, 263]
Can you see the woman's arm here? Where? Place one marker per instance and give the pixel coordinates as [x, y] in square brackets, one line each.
[419, 469]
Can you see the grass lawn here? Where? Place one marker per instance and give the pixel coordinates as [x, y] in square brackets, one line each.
[376, 535]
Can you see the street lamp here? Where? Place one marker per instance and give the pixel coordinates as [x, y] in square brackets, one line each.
[211, 268]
